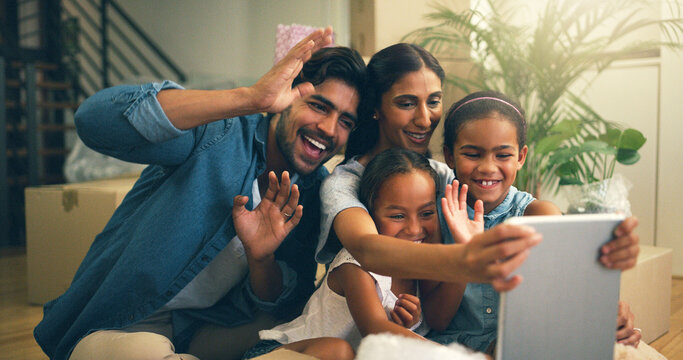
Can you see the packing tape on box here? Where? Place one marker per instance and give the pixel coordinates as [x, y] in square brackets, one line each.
[69, 199]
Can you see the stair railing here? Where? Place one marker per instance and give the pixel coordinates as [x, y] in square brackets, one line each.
[4, 193]
[95, 44]
[113, 47]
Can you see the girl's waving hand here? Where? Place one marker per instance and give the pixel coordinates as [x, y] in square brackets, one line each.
[454, 207]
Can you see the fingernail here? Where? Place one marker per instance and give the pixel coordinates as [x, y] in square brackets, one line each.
[537, 238]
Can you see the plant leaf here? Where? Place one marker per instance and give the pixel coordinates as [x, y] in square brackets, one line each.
[631, 139]
[563, 154]
[597, 146]
[628, 156]
[611, 136]
[549, 144]
[570, 181]
[567, 169]
[566, 127]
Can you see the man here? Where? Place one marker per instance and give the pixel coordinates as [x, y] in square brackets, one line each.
[168, 273]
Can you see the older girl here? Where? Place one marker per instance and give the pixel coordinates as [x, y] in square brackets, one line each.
[485, 145]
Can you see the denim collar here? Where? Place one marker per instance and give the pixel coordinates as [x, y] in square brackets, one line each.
[500, 210]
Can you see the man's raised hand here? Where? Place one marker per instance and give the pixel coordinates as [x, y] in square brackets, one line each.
[273, 92]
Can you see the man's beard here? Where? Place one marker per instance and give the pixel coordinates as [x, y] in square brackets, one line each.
[287, 148]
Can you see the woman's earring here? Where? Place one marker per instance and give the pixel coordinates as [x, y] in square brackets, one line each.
[374, 116]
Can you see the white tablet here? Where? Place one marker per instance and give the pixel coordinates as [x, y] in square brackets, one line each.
[566, 306]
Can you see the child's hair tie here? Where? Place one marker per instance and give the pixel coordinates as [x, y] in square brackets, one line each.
[489, 98]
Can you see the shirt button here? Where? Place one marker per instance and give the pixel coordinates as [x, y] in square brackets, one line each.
[489, 310]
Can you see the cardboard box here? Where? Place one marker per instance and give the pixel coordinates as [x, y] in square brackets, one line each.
[61, 223]
[647, 290]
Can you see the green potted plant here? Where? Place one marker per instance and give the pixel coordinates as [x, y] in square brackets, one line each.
[540, 64]
[584, 158]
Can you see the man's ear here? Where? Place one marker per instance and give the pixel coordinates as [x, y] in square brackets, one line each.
[522, 157]
[448, 155]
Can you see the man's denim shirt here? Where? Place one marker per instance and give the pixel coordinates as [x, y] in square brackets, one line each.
[475, 324]
[173, 222]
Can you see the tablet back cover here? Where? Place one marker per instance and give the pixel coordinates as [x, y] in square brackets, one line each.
[566, 306]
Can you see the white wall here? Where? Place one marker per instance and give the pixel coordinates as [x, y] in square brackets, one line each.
[200, 36]
[232, 39]
[669, 225]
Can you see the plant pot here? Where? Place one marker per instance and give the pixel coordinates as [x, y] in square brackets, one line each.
[606, 196]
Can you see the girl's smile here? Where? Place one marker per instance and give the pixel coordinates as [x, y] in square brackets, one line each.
[405, 207]
[486, 157]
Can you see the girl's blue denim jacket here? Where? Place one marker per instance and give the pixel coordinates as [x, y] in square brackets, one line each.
[475, 324]
[173, 222]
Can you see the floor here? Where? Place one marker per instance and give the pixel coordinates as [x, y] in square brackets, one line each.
[17, 318]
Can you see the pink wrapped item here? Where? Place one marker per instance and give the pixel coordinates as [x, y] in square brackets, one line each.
[289, 35]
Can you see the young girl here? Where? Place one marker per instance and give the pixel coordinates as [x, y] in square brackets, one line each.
[485, 146]
[399, 189]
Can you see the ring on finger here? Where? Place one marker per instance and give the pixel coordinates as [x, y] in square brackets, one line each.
[286, 214]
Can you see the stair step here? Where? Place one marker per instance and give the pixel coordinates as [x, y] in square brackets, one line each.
[11, 83]
[58, 105]
[22, 152]
[40, 65]
[54, 85]
[43, 127]
[22, 180]
[10, 104]
[49, 85]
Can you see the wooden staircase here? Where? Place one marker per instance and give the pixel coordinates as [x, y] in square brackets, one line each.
[96, 44]
[37, 125]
